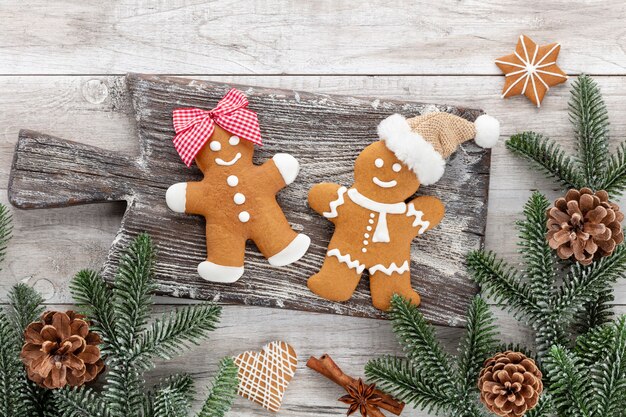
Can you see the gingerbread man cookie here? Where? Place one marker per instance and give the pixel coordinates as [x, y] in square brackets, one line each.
[374, 225]
[236, 197]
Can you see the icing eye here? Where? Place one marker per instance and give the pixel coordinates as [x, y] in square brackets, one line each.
[379, 163]
[234, 140]
[396, 167]
[215, 146]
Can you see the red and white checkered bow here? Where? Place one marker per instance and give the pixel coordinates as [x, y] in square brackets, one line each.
[194, 126]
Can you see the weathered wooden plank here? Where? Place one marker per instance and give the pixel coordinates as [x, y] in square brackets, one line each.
[68, 107]
[302, 37]
[48, 172]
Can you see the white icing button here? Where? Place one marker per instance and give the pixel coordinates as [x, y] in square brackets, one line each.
[366, 235]
[363, 250]
[234, 140]
[365, 242]
[239, 198]
[379, 163]
[369, 228]
[232, 180]
[370, 221]
[244, 216]
[396, 167]
[372, 215]
[215, 146]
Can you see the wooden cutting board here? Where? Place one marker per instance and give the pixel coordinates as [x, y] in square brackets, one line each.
[324, 132]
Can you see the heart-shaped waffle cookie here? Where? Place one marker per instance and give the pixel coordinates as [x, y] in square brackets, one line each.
[264, 376]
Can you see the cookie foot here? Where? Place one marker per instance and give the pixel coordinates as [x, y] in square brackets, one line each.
[336, 281]
[176, 197]
[219, 273]
[293, 252]
[383, 287]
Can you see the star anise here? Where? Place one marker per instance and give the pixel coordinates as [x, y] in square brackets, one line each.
[361, 397]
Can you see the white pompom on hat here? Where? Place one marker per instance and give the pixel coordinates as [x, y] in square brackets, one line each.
[424, 142]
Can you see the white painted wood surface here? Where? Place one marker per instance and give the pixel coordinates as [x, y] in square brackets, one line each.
[59, 59]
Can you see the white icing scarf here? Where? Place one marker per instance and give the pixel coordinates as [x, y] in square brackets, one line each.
[381, 233]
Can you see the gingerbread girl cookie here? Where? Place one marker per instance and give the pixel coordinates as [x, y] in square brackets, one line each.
[374, 226]
[236, 197]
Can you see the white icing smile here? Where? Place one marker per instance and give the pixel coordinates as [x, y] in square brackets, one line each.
[220, 161]
[384, 184]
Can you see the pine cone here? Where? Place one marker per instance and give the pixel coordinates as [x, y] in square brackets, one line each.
[510, 384]
[584, 225]
[60, 350]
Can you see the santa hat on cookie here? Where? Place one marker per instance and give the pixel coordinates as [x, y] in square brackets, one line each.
[424, 142]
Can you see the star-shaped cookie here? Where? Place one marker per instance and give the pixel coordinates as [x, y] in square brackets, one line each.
[531, 70]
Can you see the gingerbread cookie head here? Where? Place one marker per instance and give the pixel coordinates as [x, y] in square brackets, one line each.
[423, 143]
[224, 150]
[381, 176]
[195, 128]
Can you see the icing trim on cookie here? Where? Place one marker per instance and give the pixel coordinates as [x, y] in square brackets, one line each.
[293, 252]
[287, 165]
[418, 218]
[361, 200]
[220, 161]
[390, 269]
[176, 197]
[384, 184]
[219, 273]
[334, 204]
[345, 259]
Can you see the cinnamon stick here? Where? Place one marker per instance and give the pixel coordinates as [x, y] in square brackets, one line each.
[327, 367]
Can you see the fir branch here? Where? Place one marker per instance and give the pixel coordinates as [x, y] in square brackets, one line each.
[502, 282]
[417, 337]
[543, 408]
[79, 402]
[175, 330]
[222, 391]
[132, 299]
[609, 383]
[597, 311]
[123, 391]
[5, 230]
[535, 248]
[594, 345]
[26, 306]
[548, 156]
[173, 397]
[13, 396]
[93, 297]
[583, 283]
[614, 181]
[567, 382]
[400, 378]
[477, 345]
[590, 120]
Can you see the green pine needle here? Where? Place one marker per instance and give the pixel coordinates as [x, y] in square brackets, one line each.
[548, 156]
[568, 382]
[609, 383]
[26, 306]
[478, 344]
[535, 249]
[222, 391]
[173, 397]
[79, 402]
[503, 283]
[590, 120]
[132, 292]
[614, 181]
[167, 335]
[93, 297]
[420, 344]
[399, 377]
[13, 395]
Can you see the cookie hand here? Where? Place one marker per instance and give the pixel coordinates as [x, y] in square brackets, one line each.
[432, 210]
[322, 195]
[176, 197]
[287, 165]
